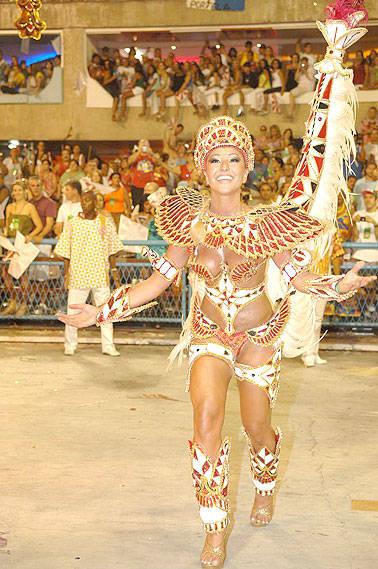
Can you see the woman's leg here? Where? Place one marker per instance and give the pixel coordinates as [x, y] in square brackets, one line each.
[291, 105]
[126, 95]
[259, 375]
[144, 104]
[311, 356]
[115, 108]
[9, 287]
[226, 94]
[209, 381]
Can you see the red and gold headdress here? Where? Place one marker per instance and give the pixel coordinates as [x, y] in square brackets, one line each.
[223, 131]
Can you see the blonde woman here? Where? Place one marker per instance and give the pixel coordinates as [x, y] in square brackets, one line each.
[21, 216]
[233, 328]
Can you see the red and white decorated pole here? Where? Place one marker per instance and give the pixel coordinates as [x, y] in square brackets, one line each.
[328, 146]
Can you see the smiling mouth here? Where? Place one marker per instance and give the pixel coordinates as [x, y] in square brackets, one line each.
[224, 178]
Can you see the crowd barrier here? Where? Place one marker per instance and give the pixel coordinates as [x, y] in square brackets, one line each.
[46, 294]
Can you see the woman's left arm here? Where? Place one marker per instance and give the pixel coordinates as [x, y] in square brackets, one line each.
[293, 266]
[333, 287]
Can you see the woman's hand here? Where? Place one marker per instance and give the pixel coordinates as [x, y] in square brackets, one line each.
[85, 316]
[352, 280]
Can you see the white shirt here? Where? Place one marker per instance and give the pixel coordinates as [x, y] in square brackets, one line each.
[366, 234]
[371, 148]
[67, 211]
[14, 171]
[311, 60]
[361, 185]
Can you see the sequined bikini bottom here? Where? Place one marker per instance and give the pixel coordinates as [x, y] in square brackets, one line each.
[265, 334]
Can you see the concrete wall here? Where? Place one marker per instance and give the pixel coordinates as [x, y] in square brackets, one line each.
[72, 118]
[141, 13]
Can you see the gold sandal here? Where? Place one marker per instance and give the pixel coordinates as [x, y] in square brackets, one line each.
[266, 511]
[219, 552]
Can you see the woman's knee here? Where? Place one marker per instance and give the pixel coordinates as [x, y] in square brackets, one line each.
[208, 419]
[258, 431]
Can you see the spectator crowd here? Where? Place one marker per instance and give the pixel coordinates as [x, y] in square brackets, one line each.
[17, 77]
[41, 191]
[254, 73]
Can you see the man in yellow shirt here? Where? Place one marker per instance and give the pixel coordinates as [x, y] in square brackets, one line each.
[89, 245]
[248, 54]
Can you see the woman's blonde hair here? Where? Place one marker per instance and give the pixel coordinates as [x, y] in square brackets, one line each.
[22, 183]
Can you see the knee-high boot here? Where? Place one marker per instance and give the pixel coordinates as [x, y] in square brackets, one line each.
[264, 465]
[211, 481]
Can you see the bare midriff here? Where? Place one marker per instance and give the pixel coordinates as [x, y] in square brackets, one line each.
[255, 312]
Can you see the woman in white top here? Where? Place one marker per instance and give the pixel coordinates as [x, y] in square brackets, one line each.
[306, 83]
[278, 83]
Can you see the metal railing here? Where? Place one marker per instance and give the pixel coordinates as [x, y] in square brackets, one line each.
[360, 311]
[45, 295]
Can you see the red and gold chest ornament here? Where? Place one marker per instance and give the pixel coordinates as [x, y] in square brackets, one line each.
[29, 24]
[258, 234]
[223, 131]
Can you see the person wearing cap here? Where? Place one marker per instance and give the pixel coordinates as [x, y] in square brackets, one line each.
[368, 181]
[366, 227]
[89, 245]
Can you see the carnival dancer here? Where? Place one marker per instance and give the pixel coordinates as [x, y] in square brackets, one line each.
[233, 327]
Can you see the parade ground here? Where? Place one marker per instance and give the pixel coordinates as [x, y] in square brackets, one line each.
[95, 472]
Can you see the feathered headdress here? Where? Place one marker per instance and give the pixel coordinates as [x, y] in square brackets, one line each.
[353, 12]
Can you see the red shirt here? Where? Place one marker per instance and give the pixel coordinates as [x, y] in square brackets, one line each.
[142, 171]
[60, 166]
[46, 207]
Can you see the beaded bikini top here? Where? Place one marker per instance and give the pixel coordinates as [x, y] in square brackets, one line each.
[260, 233]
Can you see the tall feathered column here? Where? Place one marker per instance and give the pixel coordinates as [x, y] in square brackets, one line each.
[328, 145]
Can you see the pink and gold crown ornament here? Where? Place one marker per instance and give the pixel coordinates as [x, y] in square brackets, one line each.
[223, 131]
[341, 29]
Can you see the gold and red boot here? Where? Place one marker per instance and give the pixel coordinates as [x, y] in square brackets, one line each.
[264, 468]
[211, 482]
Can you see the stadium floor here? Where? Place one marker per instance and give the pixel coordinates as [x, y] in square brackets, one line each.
[95, 470]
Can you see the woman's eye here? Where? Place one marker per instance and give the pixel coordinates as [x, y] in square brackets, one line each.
[235, 159]
[214, 161]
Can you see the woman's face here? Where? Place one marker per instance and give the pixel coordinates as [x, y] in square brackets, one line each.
[274, 131]
[96, 177]
[99, 201]
[18, 193]
[115, 181]
[225, 170]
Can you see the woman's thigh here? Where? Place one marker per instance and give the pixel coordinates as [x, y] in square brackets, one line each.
[254, 401]
[209, 380]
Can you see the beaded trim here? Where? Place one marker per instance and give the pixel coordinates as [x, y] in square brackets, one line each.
[223, 131]
[210, 482]
[266, 376]
[117, 308]
[264, 465]
[326, 287]
[299, 260]
[162, 265]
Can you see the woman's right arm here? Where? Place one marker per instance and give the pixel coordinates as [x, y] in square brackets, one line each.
[125, 300]
[8, 214]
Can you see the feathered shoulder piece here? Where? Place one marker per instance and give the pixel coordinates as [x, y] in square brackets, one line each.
[185, 220]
